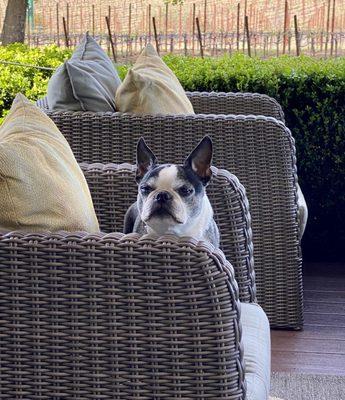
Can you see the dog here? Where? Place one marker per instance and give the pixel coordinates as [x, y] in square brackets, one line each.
[172, 198]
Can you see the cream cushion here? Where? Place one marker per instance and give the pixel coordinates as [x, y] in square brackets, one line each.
[256, 341]
[42, 187]
[150, 87]
[302, 213]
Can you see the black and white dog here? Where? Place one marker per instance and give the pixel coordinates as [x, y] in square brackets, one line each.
[172, 198]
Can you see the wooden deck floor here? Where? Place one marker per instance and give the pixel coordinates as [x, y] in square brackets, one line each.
[320, 347]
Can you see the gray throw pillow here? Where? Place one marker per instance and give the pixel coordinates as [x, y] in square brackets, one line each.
[86, 82]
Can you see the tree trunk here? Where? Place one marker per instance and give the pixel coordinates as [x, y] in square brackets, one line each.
[14, 24]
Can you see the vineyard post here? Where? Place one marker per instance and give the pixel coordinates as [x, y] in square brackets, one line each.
[109, 30]
[67, 18]
[332, 29]
[199, 37]
[193, 28]
[28, 30]
[327, 26]
[298, 52]
[149, 16]
[285, 24]
[107, 20]
[65, 31]
[246, 26]
[166, 25]
[93, 20]
[155, 33]
[57, 24]
[129, 45]
[180, 21]
[185, 43]
[238, 27]
[205, 15]
[50, 26]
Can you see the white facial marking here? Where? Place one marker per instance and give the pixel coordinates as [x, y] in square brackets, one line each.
[167, 178]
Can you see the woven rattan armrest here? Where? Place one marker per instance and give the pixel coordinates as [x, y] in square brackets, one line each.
[235, 103]
[111, 316]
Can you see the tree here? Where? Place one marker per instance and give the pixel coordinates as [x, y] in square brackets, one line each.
[14, 24]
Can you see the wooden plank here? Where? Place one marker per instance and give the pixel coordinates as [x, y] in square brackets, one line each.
[322, 307]
[324, 283]
[325, 319]
[324, 346]
[326, 295]
[327, 270]
[312, 332]
[308, 363]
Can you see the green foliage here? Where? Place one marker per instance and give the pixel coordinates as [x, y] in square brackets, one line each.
[30, 81]
[311, 92]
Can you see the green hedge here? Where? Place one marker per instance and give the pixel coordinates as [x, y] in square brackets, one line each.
[30, 81]
[311, 92]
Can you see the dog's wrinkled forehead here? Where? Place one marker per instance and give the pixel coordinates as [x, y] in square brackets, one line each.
[169, 176]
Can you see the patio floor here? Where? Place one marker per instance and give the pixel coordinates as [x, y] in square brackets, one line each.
[320, 347]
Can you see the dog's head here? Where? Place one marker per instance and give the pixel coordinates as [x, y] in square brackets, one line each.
[169, 195]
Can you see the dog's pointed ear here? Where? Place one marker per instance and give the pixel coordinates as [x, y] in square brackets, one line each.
[145, 159]
[200, 160]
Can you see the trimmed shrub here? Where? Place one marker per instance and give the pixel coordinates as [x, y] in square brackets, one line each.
[28, 80]
[311, 92]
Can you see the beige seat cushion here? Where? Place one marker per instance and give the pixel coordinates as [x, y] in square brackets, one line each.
[257, 351]
[302, 214]
[150, 87]
[42, 187]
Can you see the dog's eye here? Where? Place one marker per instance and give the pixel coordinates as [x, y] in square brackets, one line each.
[185, 191]
[145, 189]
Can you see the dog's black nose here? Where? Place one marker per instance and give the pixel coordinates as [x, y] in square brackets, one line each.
[163, 197]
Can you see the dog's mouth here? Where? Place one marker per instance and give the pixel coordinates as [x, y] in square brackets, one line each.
[163, 212]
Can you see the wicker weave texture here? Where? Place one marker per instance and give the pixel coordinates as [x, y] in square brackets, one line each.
[117, 317]
[113, 189]
[235, 103]
[226, 103]
[259, 150]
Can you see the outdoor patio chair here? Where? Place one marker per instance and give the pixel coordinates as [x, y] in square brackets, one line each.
[259, 150]
[114, 190]
[226, 103]
[113, 316]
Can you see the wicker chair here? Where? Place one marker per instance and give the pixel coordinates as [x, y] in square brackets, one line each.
[259, 150]
[226, 103]
[112, 316]
[228, 198]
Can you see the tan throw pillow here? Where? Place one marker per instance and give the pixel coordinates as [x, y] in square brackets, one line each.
[42, 187]
[150, 87]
